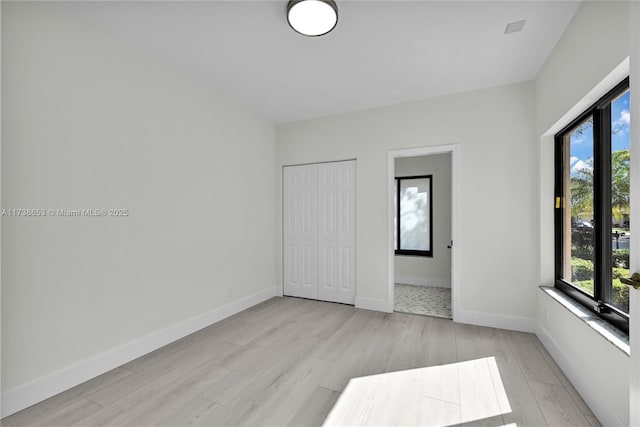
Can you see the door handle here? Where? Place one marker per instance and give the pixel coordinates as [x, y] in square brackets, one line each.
[633, 281]
[449, 246]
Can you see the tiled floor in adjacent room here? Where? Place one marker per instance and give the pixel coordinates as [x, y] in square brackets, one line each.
[424, 300]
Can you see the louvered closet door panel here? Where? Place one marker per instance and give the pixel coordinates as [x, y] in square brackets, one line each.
[300, 231]
[336, 231]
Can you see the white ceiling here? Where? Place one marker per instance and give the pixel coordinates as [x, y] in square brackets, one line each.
[381, 52]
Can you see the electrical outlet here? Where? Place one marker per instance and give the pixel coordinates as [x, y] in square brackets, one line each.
[229, 291]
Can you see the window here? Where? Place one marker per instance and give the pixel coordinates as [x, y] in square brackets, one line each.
[592, 207]
[413, 220]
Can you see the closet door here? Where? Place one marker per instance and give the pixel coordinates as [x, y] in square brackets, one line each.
[301, 231]
[336, 231]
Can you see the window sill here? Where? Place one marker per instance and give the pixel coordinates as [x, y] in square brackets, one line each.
[616, 337]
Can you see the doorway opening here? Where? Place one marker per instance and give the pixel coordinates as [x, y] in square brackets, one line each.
[422, 231]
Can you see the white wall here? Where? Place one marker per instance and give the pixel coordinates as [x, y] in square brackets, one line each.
[571, 71]
[436, 270]
[90, 123]
[597, 369]
[1, 185]
[574, 76]
[494, 131]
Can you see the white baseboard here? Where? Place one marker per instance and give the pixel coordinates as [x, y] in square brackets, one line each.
[591, 396]
[43, 388]
[423, 281]
[512, 323]
[373, 304]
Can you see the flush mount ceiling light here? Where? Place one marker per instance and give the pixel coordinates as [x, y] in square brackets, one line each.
[312, 17]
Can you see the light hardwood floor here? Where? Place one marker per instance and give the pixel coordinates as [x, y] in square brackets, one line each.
[298, 362]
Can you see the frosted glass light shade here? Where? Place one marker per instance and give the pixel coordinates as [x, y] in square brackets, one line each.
[312, 17]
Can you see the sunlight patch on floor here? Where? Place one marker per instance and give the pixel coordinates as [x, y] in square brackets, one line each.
[433, 396]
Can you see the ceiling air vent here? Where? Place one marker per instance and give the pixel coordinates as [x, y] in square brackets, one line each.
[514, 27]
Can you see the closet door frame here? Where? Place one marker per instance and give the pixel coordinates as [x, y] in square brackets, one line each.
[335, 232]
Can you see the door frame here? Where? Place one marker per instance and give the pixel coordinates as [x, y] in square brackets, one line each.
[634, 322]
[451, 149]
[281, 288]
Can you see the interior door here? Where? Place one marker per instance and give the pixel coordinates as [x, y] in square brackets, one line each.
[336, 231]
[300, 231]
